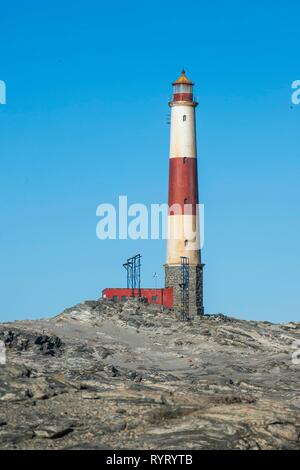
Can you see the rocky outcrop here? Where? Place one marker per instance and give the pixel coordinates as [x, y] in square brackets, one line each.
[107, 375]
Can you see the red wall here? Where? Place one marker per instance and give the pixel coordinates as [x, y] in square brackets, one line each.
[183, 97]
[164, 296]
[183, 184]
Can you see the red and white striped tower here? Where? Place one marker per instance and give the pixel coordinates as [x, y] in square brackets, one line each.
[183, 218]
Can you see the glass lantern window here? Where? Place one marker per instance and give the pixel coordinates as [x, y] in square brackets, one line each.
[183, 89]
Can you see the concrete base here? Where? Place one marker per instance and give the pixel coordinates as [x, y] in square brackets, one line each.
[173, 279]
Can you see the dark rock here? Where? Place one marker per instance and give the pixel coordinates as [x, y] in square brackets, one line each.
[48, 344]
[53, 430]
[112, 371]
[15, 435]
[23, 341]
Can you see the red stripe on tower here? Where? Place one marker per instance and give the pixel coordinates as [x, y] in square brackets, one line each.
[183, 185]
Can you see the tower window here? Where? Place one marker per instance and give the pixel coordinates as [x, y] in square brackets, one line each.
[185, 200]
[184, 117]
[184, 160]
[186, 242]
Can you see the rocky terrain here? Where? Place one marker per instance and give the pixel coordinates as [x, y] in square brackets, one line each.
[106, 375]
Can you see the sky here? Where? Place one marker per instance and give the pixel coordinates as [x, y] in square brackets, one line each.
[86, 120]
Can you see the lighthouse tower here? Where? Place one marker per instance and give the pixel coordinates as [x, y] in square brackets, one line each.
[183, 242]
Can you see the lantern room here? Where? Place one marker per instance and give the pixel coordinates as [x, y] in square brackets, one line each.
[183, 88]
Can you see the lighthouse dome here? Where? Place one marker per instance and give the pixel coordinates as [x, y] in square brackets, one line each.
[183, 80]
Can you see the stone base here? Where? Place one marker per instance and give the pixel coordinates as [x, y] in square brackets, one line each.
[173, 279]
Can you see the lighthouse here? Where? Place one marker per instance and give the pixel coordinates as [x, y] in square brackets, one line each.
[183, 239]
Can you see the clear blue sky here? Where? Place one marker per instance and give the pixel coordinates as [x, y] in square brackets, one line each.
[85, 120]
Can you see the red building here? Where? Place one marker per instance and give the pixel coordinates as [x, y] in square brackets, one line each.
[154, 296]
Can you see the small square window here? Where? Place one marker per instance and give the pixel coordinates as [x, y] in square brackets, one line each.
[115, 298]
[124, 298]
[154, 298]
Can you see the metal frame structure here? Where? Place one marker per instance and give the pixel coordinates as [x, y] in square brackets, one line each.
[184, 287]
[133, 268]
